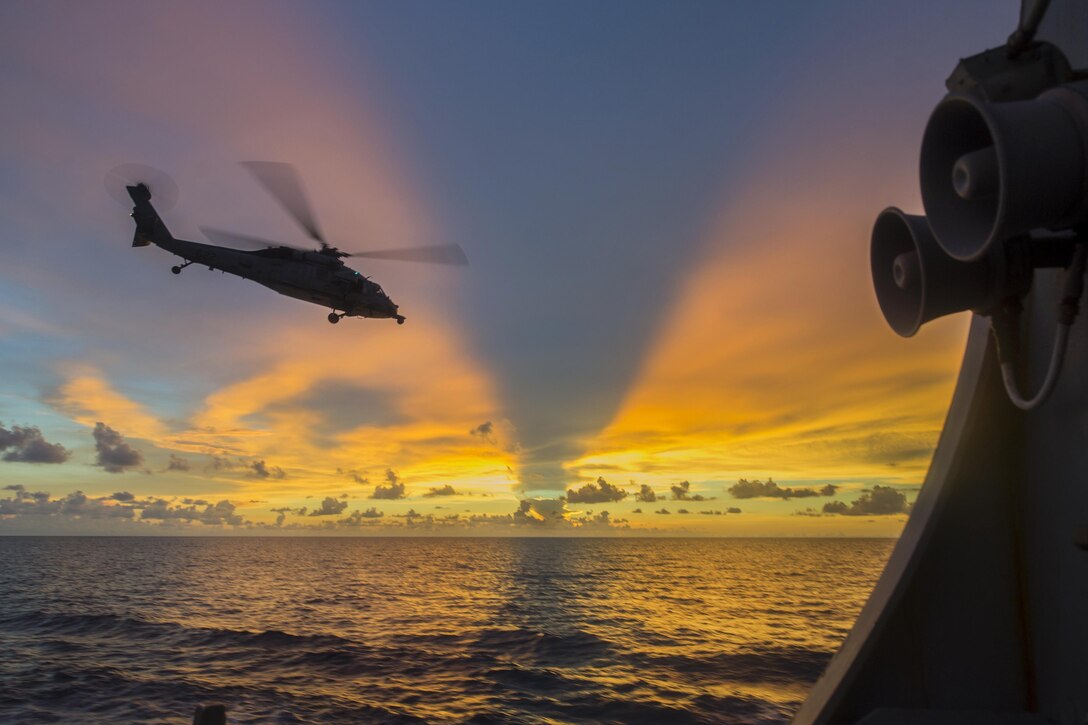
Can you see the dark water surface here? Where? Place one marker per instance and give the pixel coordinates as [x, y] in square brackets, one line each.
[423, 630]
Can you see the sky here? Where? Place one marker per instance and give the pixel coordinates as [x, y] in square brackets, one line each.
[667, 325]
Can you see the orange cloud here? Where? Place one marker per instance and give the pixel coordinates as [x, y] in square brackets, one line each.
[429, 389]
[87, 397]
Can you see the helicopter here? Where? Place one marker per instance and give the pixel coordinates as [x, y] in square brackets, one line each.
[312, 275]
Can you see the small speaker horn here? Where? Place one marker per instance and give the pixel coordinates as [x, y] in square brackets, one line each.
[917, 281]
[990, 171]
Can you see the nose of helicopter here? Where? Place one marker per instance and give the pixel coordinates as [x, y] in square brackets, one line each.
[390, 309]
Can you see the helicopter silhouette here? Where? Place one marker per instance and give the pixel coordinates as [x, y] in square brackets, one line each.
[312, 275]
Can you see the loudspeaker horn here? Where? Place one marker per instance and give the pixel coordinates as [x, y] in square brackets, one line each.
[991, 171]
[917, 281]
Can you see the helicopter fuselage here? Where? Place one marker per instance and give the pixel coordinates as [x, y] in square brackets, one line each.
[313, 277]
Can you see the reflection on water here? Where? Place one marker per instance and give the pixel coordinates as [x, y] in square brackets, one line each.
[405, 630]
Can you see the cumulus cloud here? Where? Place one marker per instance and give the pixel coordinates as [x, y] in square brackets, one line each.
[284, 512]
[24, 502]
[603, 519]
[261, 470]
[682, 492]
[114, 453]
[446, 490]
[878, 501]
[26, 445]
[744, 488]
[177, 463]
[542, 513]
[330, 507]
[78, 504]
[75, 504]
[394, 490]
[221, 513]
[120, 505]
[600, 492]
[530, 512]
[536, 514]
[646, 494]
[361, 518]
[486, 431]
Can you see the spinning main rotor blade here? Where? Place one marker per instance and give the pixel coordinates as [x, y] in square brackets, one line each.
[241, 240]
[440, 254]
[283, 183]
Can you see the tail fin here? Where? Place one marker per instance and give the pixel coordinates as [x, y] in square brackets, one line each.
[149, 226]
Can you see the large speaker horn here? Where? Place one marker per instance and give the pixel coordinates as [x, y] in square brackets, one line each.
[916, 281]
[990, 171]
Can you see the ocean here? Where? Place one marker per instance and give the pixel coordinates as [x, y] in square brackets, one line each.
[391, 630]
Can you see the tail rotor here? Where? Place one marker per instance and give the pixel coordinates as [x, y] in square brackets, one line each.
[156, 184]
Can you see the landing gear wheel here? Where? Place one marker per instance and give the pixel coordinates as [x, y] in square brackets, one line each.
[400, 320]
[175, 269]
[334, 318]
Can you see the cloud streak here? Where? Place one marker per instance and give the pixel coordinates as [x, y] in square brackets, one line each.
[259, 469]
[446, 490]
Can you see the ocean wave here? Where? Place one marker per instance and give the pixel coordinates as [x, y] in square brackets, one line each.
[574, 631]
[150, 631]
[774, 664]
[538, 646]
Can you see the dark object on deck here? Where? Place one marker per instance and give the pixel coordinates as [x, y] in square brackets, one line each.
[210, 715]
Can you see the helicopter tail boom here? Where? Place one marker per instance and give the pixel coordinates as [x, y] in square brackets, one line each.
[150, 228]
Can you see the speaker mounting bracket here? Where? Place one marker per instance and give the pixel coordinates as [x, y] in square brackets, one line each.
[993, 75]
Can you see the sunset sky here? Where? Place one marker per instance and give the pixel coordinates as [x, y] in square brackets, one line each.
[666, 207]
